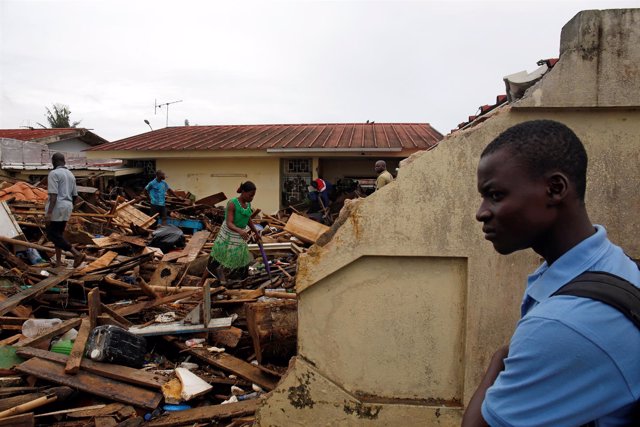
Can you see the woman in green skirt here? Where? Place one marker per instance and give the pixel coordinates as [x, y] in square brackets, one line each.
[230, 248]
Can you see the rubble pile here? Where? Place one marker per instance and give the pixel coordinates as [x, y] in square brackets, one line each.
[142, 332]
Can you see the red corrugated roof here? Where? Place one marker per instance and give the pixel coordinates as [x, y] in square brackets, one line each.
[417, 136]
[52, 135]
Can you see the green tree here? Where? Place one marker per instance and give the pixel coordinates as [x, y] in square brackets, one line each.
[60, 117]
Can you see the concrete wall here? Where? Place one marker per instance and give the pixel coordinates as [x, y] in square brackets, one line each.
[403, 303]
[204, 177]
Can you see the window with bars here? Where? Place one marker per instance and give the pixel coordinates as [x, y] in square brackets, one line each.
[295, 180]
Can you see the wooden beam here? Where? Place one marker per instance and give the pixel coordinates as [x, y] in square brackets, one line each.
[206, 414]
[93, 303]
[194, 246]
[108, 370]
[12, 302]
[77, 351]
[23, 420]
[35, 246]
[115, 315]
[93, 384]
[232, 364]
[135, 308]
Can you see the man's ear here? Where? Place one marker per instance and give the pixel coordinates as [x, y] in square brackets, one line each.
[557, 187]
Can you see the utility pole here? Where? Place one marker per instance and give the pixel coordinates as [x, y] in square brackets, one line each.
[166, 104]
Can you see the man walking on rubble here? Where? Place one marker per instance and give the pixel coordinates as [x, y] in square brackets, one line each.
[572, 361]
[62, 193]
[157, 189]
[384, 177]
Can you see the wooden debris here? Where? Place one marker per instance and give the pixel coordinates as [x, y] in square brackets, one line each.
[194, 246]
[74, 359]
[91, 383]
[107, 370]
[305, 229]
[273, 327]
[17, 299]
[206, 414]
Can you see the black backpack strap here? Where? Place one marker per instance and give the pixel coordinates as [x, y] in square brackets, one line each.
[607, 288]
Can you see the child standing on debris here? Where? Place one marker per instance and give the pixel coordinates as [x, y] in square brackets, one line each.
[230, 248]
[62, 192]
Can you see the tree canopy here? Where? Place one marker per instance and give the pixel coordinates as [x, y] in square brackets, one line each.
[59, 117]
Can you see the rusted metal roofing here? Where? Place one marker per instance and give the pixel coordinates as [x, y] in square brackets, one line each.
[284, 137]
[48, 136]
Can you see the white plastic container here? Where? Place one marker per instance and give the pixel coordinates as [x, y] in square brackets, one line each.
[34, 327]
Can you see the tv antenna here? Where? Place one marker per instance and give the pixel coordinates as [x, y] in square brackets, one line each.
[157, 106]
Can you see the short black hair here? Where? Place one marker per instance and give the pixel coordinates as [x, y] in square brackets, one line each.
[246, 187]
[543, 146]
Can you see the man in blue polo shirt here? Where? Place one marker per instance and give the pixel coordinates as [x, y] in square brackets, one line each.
[571, 361]
[157, 189]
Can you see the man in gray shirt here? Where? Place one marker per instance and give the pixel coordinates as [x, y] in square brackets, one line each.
[62, 191]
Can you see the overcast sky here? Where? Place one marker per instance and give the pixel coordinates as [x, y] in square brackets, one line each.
[237, 62]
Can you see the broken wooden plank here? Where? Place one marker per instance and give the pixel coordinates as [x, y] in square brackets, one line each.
[23, 420]
[135, 308]
[226, 337]
[165, 274]
[74, 410]
[232, 364]
[29, 406]
[273, 327]
[100, 263]
[93, 303]
[77, 351]
[91, 383]
[34, 246]
[115, 315]
[9, 402]
[305, 229]
[194, 246]
[50, 333]
[108, 370]
[212, 200]
[180, 327]
[206, 414]
[12, 302]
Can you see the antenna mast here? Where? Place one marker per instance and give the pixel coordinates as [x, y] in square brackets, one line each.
[157, 106]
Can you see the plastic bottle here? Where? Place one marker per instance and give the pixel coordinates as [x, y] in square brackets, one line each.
[33, 327]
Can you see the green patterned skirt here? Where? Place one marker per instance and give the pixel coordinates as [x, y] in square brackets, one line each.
[230, 249]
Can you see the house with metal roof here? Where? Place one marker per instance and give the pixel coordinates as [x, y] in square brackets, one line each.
[26, 154]
[59, 139]
[281, 159]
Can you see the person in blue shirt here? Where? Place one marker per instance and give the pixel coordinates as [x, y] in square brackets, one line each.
[157, 189]
[571, 361]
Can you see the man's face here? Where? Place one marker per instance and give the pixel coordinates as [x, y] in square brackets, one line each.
[379, 167]
[515, 209]
[161, 176]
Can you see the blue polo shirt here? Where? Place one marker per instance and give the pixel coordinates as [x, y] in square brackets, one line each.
[157, 191]
[571, 360]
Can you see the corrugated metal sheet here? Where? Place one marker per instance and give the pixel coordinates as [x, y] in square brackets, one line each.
[324, 137]
[52, 135]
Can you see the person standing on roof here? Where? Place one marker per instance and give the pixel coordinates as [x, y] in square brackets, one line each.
[62, 191]
[157, 189]
[384, 177]
[230, 249]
